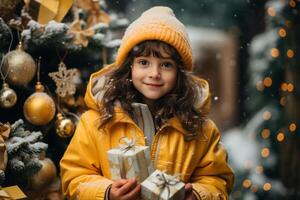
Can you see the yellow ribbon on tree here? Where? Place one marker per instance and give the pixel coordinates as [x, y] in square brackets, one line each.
[4, 134]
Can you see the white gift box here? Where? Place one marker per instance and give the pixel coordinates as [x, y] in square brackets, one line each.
[130, 161]
[162, 186]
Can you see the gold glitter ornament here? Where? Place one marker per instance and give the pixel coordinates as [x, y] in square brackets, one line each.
[45, 176]
[8, 96]
[39, 108]
[19, 66]
[64, 126]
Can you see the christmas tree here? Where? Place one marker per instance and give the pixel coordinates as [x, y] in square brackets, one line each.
[268, 138]
[48, 50]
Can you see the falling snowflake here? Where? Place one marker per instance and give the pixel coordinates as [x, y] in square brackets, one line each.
[64, 80]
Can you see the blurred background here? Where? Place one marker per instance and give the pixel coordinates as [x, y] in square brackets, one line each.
[248, 50]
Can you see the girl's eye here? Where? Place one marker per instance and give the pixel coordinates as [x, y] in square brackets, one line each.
[167, 65]
[143, 62]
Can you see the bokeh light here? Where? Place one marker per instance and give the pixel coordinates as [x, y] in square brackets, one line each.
[265, 133]
[247, 183]
[292, 4]
[265, 152]
[267, 186]
[280, 137]
[268, 81]
[282, 32]
[290, 53]
[259, 169]
[274, 52]
[283, 101]
[290, 87]
[267, 115]
[284, 87]
[260, 86]
[292, 127]
[271, 11]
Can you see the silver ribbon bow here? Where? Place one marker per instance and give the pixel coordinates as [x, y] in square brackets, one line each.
[126, 144]
[163, 182]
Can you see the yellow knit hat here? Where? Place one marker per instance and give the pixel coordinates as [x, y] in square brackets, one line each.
[157, 23]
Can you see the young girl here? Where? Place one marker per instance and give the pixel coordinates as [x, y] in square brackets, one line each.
[152, 71]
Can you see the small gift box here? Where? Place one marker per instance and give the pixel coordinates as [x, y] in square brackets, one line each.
[45, 10]
[12, 192]
[130, 161]
[162, 186]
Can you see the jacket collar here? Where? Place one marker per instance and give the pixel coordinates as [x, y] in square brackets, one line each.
[122, 117]
[174, 123]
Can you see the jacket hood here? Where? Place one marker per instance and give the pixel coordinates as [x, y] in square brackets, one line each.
[96, 86]
[98, 82]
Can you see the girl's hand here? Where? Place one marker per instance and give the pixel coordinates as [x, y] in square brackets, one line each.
[125, 190]
[189, 192]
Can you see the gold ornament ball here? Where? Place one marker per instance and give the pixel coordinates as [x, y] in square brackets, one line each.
[8, 97]
[45, 176]
[64, 126]
[19, 67]
[39, 108]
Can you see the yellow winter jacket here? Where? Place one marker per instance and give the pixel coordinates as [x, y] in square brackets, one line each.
[85, 170]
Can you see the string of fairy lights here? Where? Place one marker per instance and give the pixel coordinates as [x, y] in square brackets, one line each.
[286, 89]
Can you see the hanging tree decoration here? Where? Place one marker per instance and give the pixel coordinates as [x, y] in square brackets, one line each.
[19, 66]
[45, 176]
[39, 108]
[65, 127]
[8, 96]
[65, 87]
[64, 79]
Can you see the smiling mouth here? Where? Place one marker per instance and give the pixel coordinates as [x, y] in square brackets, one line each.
[153, 84]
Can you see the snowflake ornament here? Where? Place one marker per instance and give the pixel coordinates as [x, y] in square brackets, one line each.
[64, 80]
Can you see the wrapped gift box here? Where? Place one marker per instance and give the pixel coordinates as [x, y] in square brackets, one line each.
[12, 192]
[162, 186]
[45, 10]
[129, 163]
[42, 10]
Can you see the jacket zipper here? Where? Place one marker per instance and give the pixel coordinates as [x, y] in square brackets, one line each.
[155, 146]
[155, 149]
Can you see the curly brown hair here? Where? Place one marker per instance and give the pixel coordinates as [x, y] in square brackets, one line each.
[177, 103]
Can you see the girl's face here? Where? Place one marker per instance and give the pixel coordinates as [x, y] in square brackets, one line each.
[154, 77]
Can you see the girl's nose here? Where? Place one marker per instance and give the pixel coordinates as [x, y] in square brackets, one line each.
[154, 72]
